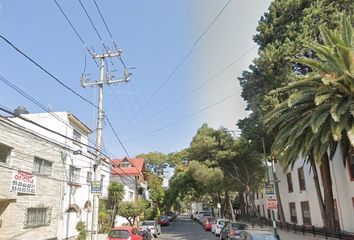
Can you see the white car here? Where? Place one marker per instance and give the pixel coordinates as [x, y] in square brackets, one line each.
[155, 229]
[217, 225]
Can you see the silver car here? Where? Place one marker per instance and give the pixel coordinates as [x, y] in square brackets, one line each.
[152, 226]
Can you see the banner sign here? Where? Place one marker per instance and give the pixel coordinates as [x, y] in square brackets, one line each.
[23, 182]
[272, 203]
[96, 187]
[269, 190]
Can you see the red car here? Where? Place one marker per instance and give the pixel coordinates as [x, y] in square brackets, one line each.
[207, 222]
[163, 220]
[124, 233]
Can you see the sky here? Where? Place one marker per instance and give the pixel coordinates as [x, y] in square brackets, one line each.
[178, 82]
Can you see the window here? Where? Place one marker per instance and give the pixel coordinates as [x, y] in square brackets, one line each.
[351, 165]
[4, 153]
[88, 177]
[131, 196]
[76, 136]
[38, 217]
[269, 213]
[125, 164]
[301, 175]
[293, 216]
[263, 211]
[290, 182]
[306, 214]
[258, 210]
[42, 167]
[74, 176]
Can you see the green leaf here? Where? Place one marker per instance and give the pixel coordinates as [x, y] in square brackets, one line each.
[346, 30]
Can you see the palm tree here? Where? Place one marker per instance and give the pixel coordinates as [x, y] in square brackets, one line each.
[115, 197]
[318, 111]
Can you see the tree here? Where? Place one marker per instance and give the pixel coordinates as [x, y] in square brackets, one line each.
[156, 191]
[131, 210]
[115, 196]
[318, 114]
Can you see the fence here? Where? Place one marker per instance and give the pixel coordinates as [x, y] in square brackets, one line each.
[315, 231]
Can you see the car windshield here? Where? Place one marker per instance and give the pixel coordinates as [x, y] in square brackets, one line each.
[148, 224]
[239, 226]
[119, 234]
[263, 237]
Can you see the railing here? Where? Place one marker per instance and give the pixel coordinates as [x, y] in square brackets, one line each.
[315, 231]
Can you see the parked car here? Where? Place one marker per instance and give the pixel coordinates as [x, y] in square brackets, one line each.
[124, 233]
[257, 235]
[152, 226]
[163, 220]
[207, 222]
[232, 231]
[196, 214]
[218, 225]
[200, 216]
[171, 215]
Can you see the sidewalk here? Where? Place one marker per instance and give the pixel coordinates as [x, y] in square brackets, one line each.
[284, 235]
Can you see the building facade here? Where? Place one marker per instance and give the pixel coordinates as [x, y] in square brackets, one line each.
[131, 173]
[31, 168]
[299, 198]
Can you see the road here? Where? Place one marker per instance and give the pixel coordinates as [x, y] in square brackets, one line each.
[183, 228]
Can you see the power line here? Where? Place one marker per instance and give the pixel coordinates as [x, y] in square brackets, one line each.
[60, 82]
[74, 29]
[185, 57]
[47, 72]
[2, 108]
[189, 116]
[196, 88]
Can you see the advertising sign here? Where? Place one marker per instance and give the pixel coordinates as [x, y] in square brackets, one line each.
[96, 187]
[272, 203]
[23, 182]
[269, 190]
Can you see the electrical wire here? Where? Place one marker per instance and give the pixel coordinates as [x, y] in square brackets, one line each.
[188, 116]
[51, 140]
[196, 88]
[64, 85]
[185, 57]
[74, 29]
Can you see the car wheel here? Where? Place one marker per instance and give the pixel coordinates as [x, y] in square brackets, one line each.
[155, 235]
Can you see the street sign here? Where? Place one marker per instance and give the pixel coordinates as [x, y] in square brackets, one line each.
[96, 187]
[272, 203]
[269, 190]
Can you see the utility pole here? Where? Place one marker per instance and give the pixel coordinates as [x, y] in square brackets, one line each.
[104, 79]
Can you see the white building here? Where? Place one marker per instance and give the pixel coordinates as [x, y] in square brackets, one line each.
[299, 198]
[31, 168]
[78, 163]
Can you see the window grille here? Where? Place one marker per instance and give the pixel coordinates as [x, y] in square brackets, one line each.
[38, 217]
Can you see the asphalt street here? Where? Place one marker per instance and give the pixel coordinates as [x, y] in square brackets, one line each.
[184, 228]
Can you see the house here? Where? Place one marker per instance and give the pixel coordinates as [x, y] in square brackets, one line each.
[31, 168]
[78, 162]
[131, 173]
[298, 193]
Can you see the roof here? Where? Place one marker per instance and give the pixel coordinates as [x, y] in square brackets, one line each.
[137, 167]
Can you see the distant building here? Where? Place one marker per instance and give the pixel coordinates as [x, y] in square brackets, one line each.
[132, 174]
[299, 199]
